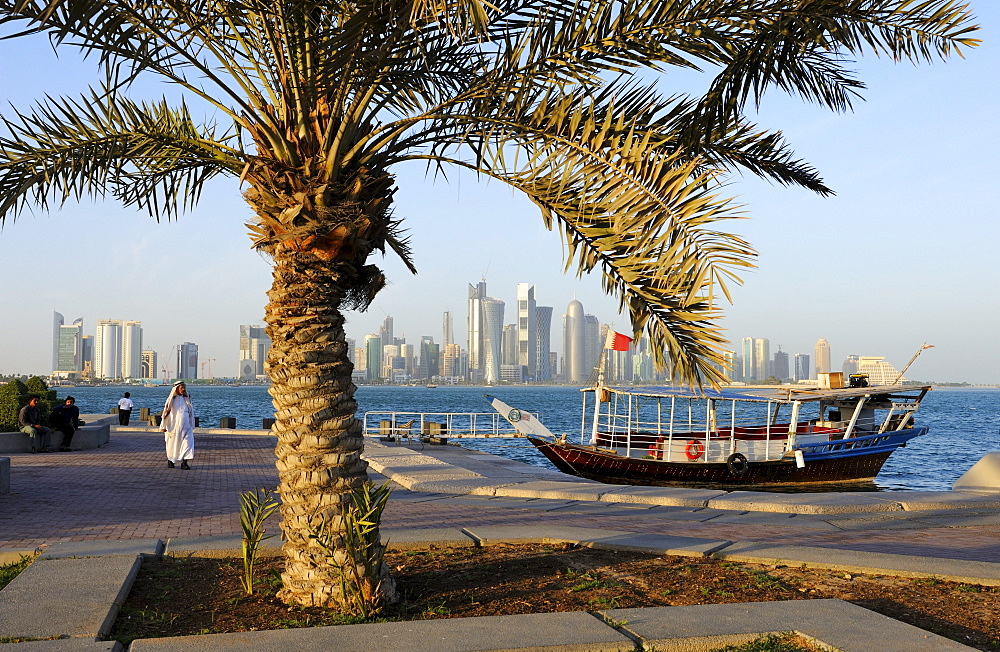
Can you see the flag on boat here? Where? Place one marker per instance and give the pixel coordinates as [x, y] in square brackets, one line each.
[523, 422]
[927, 346]
[617, 341]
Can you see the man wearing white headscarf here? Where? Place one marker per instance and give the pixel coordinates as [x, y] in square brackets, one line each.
[178, 426]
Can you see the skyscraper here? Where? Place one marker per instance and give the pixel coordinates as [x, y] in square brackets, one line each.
[748, 360]
[508, 350]
[373, 358]
[131, 349]
[762, 358]
[492, 339]
[118, 349]
[527, 337]
[477, 293]
[254, 346]
[108, 349]
[187, 360]
[57, 322]
[574, 344]
[593, 345]
[69, 362]
[781, 365]
[448, 328]
[801, 367]
[543, 347]
[822, 356]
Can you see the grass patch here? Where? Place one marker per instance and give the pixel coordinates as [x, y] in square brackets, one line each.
[9, 571]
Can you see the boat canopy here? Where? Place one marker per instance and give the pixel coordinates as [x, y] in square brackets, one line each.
[764, 394]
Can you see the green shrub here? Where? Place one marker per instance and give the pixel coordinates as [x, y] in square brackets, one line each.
[13, 396]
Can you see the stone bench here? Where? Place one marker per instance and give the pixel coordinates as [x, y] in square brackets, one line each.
[92, 435]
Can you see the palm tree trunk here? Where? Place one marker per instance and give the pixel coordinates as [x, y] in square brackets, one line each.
[319, 439]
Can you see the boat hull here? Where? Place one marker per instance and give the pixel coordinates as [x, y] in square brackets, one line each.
[853, 460]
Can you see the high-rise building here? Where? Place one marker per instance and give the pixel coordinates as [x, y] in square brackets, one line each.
[527, 338]
[850, 365]
[762, 358]
[385, 332]
[574, 344]
[187, 361]
[254, 347]
[108, 349]
[492, 339]
[731, 368]
[118, 349]
[781, 365]
[57, 323]
[593, 344]
[451, 363]
[373, 358]
[69, 362]
[801, 367]
[822, 356]
[748, 360]
[477, 355]
[448, 328]
[149, 367]
[430, 358]
[508, 349]
[131, 349]
[543, 346]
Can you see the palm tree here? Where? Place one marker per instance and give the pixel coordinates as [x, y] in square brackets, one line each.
[317, 101]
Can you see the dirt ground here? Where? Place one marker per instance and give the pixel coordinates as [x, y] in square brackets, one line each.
[175, 597]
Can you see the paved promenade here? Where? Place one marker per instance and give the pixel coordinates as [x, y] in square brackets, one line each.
[124, 491]
[93, 511]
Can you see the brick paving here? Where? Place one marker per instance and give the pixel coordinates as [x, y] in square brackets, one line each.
[124, 491]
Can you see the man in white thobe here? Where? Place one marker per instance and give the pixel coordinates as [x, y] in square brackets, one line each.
[178, 426]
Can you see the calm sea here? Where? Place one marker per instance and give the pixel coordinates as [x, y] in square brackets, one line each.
[964, 423]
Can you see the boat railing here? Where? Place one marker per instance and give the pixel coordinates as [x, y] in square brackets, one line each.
[695, 441]
[438, 424]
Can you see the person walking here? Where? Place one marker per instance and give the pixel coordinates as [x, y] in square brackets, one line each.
[66, 419]
[124, 409]
[178, 426]
[30, 420]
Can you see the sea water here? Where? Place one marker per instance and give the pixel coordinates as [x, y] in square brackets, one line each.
[964, 423]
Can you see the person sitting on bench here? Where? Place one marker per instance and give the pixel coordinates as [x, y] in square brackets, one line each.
[66, 419]
[30, 420]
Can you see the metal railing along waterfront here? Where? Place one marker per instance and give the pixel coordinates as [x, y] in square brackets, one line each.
[439, 424]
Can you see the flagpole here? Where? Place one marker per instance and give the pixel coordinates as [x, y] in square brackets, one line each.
[915, 355]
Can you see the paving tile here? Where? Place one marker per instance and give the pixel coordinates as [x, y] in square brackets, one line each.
[562, 632]
[840, 625]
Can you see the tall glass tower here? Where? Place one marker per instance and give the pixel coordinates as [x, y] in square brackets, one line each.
[527, 351]
[574, 344]
[822, 356]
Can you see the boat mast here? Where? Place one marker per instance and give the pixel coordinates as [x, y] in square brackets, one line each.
[925, 345]
[598, 395]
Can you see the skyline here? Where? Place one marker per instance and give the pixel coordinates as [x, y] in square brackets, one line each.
[166, 364]
[911, 233]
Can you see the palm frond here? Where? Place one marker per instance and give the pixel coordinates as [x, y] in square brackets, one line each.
[147, 155]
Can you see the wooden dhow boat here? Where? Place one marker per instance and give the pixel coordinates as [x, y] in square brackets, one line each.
[736, 436]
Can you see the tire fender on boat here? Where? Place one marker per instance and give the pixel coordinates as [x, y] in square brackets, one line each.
[694, 449]
[738, 464]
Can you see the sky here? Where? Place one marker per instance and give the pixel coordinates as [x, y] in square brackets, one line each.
[905, 253]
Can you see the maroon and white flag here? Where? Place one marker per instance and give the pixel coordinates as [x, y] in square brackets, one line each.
[617, 341]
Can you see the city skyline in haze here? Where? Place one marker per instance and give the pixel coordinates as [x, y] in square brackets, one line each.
[903, 254]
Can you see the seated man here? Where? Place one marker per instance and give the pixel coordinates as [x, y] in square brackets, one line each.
[66, 419]
[30, 420]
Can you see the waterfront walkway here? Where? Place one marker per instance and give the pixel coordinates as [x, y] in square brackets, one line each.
[123, 492]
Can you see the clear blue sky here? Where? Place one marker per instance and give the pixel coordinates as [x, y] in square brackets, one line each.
[905, 253]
